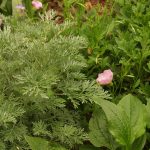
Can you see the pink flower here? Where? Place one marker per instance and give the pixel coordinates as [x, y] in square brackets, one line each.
[105, 77]
[20, 7]
[36, 4]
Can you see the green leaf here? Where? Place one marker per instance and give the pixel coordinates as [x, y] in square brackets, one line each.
[148, 114]
[118, 122]
[139, 143]
[37, 143]
[99, 134]
[55, 146]
[121, 2]
[136, 113]
[126, 120]
[136, 84]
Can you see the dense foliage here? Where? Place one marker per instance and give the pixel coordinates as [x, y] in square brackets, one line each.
[52, 75]
[119, 40]
[42, 84]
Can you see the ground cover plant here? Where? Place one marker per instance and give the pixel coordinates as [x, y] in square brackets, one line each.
[53, 75]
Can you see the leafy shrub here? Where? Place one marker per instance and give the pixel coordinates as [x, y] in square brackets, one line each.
[42, 84]
[120, 41]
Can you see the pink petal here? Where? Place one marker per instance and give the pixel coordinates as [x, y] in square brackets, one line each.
[36, 4]
[105, 78]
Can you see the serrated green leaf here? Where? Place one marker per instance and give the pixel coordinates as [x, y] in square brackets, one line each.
[99, 134]
[37, 143]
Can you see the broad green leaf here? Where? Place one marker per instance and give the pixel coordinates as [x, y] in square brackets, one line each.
[136, 113]
[118, 122]
[99, 134]
[56, 146]
[37, 143]
[126, 120]
[139, 143]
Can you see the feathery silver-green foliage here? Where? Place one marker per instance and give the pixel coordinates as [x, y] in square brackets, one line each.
[42, 84]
